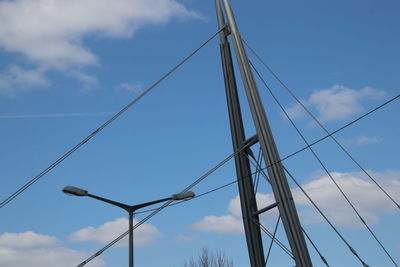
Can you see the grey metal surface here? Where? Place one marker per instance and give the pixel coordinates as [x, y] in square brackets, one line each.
[75, 191]
[184, 195]
[131, 248]
[245, 183]
[276, 173]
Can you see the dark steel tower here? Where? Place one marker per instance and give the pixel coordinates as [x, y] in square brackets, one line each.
[280, 186]
[245, 183]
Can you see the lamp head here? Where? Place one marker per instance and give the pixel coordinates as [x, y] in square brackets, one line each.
[75, 191]
[184, 195]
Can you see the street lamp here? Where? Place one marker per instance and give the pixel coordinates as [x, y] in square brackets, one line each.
[74, 191]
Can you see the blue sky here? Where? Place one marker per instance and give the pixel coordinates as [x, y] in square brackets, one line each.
[67, 66]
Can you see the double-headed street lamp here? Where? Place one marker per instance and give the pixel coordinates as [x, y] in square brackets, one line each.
[74, 191]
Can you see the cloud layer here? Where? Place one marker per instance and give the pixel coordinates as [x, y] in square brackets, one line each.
[368, 199]
[26, 240]
[364, 194]
[146, 234]
[226, 224]
[336, 103]
[36, 250]
[50, 34]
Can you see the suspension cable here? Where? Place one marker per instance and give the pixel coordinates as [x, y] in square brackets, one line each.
[259, 169]
[289, 156]
[304, 148]
[95, 132]
[325, 168]
[316, 249]
[269, 181]
[320, 211]
[322, 126]
[279, 243]
[326, 219]
[272, 241]
[166, 204]
[257, 176]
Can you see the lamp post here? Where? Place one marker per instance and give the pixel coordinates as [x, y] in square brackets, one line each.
[74, 191]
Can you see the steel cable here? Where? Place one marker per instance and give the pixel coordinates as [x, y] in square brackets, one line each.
[95, 132]
[313, 244]
[155, 211]
[321, 125]
[325, 168]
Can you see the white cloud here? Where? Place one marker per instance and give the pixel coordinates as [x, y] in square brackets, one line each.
[88, 81]
[16, 79]
[145, 234]
[135, 88]
[26, 240]
[233, 223]
[226, 224]
[295, 112]
[36, 250]
[51, 33]
[263, 200]
[364, 140]
[367, 198]
[364, 194]
[336, 103]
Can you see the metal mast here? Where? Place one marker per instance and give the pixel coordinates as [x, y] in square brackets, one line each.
[280, 186]
[245, 183]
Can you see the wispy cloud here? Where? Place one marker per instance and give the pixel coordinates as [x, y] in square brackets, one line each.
[16, 79]
[365, 140]
[136, 88]
[336, 103]
[55, 115]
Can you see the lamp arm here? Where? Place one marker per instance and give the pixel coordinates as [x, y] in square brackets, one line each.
[112, 202]
[139, 206]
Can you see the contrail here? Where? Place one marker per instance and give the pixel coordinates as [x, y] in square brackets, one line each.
[56, 115]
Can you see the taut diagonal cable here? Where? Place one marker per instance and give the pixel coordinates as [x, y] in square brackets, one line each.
[301, 149]
[257, 176]
[279, 243]
[353, 251]
[326, 169]
[316, 249]
[322, 126]
[326, 219]
[95, 132]
[261, 170]
[264, 175]
[272, 240]
[166, 204]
